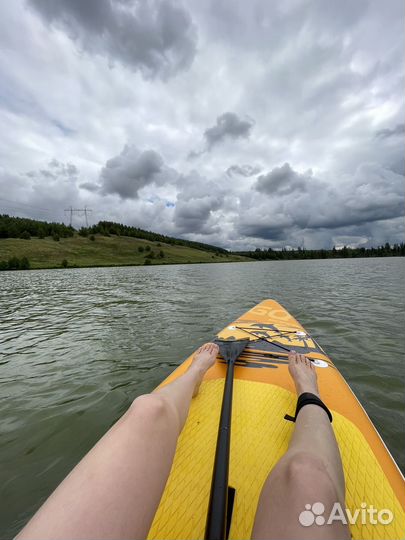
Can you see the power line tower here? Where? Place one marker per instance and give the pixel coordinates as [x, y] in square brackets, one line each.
[86, 211]
[80, 212]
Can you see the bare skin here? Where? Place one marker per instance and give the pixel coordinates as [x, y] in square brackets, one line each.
[310, 471]
[115, 489]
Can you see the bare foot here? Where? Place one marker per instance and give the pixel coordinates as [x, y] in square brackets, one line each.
[204, 358]
[303, 373]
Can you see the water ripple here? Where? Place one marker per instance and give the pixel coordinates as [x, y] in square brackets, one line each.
[78, 345]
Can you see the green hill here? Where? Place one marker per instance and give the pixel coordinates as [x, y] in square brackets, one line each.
[81, 251]
[28, 243]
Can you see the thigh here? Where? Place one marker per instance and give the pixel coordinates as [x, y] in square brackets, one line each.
[115, 490]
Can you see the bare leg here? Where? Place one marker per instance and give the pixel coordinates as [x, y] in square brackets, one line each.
[311, 471]
[116, 488]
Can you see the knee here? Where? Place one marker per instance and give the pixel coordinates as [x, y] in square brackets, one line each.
[152, 408]
[306, 469]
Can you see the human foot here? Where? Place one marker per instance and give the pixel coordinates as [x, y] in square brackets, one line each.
[303, 373]
[204, 358]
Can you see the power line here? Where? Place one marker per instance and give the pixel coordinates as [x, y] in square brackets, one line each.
[16, 205]
[25, 204]
[30, 212]
[79, 211]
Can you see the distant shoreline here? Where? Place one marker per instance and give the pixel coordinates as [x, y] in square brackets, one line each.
[100, 252]
[115, 252]
[31, 244]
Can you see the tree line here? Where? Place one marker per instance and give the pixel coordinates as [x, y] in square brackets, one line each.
[16, 227]
[108, 228]
[387, 250]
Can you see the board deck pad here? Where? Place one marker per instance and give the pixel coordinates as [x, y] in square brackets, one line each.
[263, 393]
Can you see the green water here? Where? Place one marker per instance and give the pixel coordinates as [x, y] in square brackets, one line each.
[77, 346]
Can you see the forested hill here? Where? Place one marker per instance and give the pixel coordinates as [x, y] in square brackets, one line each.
[16, 227]
[387, 250]
[122, 244]
[109, 228]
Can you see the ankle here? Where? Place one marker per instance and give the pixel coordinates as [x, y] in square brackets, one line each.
[302, 388]
[197, 372]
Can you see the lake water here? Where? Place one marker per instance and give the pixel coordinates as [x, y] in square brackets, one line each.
[78, 345]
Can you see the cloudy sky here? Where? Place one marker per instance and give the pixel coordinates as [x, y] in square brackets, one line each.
[241, 124]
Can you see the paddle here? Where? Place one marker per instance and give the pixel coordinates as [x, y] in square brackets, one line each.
[218, 520]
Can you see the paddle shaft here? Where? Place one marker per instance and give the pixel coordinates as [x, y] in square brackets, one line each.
[218, 505]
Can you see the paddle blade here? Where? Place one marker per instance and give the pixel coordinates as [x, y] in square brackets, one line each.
[231, 349]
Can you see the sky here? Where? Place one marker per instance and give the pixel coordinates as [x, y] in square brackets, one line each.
[239, 124]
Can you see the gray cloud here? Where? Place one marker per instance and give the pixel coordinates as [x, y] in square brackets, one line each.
[197, 200]
[56, 169]
[130, 171]
[283, 180]
[243, 170]
[157, 37]
[90, 186]
[192, 216]
[41, 194]
[298, 206]
[325, 94]
[228, 125]
[399, 129]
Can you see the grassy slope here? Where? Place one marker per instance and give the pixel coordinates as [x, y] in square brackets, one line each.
[104, 251]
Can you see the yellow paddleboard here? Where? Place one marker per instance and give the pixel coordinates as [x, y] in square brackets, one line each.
[263, 393]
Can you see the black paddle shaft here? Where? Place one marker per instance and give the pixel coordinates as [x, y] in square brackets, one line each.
[218, 505]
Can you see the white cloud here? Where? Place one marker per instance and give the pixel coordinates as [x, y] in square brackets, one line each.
[325, 96]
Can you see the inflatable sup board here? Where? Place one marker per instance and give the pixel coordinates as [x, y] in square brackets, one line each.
[263, 392]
